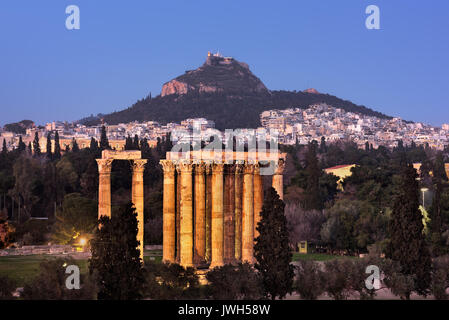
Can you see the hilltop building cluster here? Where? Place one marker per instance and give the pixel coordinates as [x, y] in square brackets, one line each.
[322, 120]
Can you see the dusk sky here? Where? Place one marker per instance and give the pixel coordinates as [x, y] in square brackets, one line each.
[126, 49]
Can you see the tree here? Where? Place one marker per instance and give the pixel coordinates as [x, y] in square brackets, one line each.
[48, 147]
[310, 281]
[272, 250]
[407, 243]
[75, 147]
[439, 171]
[93, 145]
[230, 282]
[4, 148]
[313, 173]
[22, 146]
[136, 142]
[7, 286]
[57, 152]
[129, 143]
[115, 262]
[50, 283]
[36, 146]
[104, 142]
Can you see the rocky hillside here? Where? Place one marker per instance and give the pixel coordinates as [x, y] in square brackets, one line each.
[223, 90]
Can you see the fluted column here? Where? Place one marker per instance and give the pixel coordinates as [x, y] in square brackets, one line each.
[258, 197]
[278, 183]
[169, 226]
[104, 187]
[138, 199]
[248, 214]
[217, 215]
[229, 212]
[186, 223]
[238, 185]
[200, 214]
[208, 212]
[178, 215]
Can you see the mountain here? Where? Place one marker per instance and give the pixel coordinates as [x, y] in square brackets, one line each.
[223, 90]
[19, 127]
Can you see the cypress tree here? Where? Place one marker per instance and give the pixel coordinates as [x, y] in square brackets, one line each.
[36, 146]
[93, 145]
[48, 147]
[312, 199]
[407, 244]
[439, 171]
[57, 152]
[136, 143]
[22, 146]
[128, 143]
[75, 147]
[104, 142]
[272, 251]
[4, 148]
[29, 148]
[115, 257]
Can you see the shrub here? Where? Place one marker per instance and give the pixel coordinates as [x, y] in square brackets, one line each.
[230, 282]
[440, 278]
[7, 286]
[337, 277]
[310, 282]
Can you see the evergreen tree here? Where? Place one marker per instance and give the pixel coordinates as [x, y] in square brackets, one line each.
[312, 199]
[272, 250]
[104, 142]
[22, 146]
[128, 143]
[93, 145]
[436, 221]
[323, 147]
[57, 152]
[115, 258]
[439, 171]
[367, 146]
[4, 148]
[48, 147]
[29, 148]
[75, 147]
[36, 146]
[407, 244]
[136, 143]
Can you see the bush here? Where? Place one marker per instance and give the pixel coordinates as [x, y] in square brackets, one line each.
[310, 281]
[50, 283]
[338, 278]
[440, 278]
[400, 284]
[230, 282]
[7, 286]
[170, 282]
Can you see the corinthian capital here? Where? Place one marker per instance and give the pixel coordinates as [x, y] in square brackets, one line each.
[104, 165]
[138, 165]
[168, 166]
[218, 167]
[248, 167]
[200, 168]
[185, 166]
[279, 167]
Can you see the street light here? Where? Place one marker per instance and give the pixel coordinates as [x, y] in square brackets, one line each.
[424, 190]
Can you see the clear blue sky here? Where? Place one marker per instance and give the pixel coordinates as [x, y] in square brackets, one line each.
[126, 49]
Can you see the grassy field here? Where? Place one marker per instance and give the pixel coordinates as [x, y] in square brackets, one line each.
[24, 268]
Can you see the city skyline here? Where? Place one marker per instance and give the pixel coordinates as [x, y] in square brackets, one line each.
[51, 73]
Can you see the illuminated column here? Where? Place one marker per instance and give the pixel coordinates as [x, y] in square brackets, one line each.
[217, 215]
[238, 211]
[258, 197]
[248, 213]
[138, 198]
[208, 212]
[186, 223]
[178, 214]
[200, 214]
[104, 187]
[278, 183]
[229, 219]
[169, 225]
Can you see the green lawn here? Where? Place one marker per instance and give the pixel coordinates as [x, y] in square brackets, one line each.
[316, 257]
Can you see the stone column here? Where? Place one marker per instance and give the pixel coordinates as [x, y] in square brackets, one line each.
[169, 225]
[248, 214]
[217, 215]
[258, 197]
[200, 214]
[138, 199]
[104, 187]
[229, 219]
[186, 223]
[208, 212]
[238, 211]
[178, 214]
[278, 182]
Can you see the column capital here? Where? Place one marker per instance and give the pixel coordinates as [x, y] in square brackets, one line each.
[200, 168]
[138, 165]
[104, 165]
[248, 168]
[230, 169]
[168, 167]
[218, 166]
[238, 168]
[257, 168]
[185, 166]
[279, 167]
